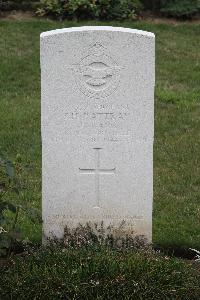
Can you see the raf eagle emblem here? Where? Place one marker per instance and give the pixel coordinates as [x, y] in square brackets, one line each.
[97, 75]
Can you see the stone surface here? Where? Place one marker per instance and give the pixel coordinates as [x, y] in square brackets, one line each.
[97, 128]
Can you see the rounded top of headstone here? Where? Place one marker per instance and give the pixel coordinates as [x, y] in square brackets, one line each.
[97, 28]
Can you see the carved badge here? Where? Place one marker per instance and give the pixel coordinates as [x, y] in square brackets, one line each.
[97, 75]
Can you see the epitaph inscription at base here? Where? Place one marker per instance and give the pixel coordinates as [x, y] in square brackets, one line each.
[97, 128]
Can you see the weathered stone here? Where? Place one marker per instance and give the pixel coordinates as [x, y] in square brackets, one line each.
[97, 129]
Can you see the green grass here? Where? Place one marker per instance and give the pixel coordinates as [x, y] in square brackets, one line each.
[176, 217]
[98, 273]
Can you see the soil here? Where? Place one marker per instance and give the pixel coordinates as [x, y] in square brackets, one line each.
[171, 21]
[17, 15]
[148, 17]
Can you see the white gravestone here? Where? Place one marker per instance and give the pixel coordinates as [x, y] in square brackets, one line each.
[97, 129]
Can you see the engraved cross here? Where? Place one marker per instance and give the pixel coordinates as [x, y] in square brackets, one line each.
[97, 171]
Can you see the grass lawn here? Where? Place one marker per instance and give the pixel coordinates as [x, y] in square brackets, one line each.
[98, 273]
[176, 216]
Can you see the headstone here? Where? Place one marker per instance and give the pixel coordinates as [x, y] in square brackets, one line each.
[97, 129]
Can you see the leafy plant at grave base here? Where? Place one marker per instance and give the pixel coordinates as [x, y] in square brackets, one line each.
[93, 235]
[90, 9]
[11, 187]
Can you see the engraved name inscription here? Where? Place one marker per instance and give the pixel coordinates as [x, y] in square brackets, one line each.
[97, 115]
[102, 123]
